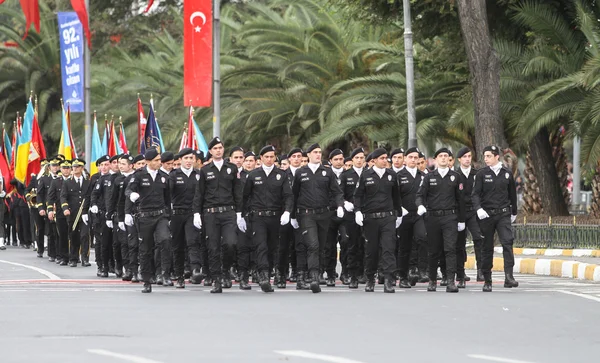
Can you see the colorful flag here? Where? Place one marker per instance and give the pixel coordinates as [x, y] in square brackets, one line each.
[97, 151]
[112, 140]
[200, 141]
[24, 145]
[31, 9]
[152, 134]
[7, 145]
[184, 140]
[141, 125]
[65, 145]
[105, 137]
[197, 49]
[122, 141]
[82, 13]
[38, 150]
[6, 173]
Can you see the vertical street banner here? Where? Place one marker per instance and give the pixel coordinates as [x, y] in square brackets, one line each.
[70, 34]
[197, 48]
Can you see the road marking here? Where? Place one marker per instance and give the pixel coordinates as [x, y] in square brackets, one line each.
[126, 357]
[309, 355]
[46, 273]
[589, 297]
[495, 359]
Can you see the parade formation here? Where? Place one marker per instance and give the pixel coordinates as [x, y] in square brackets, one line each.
[271, 218]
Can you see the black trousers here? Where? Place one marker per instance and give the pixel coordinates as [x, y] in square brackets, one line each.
[134, 242]
[62, 229]
[120, 245]
[22, 221]
[498, 223]
[441, 237]
[185, 235]
[106, 238]
[472, 225]
[314, 229]
[246, 247]
[96, 234]
[329, 258]
[221, 238]
[350, 237]
[79, 245]
[265, 236]
[380, 244]
[154, 231]
[411, 232]
[286, 246]
[204, 251]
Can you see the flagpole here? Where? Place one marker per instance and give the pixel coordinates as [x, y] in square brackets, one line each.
[216, 68]
[87, 96]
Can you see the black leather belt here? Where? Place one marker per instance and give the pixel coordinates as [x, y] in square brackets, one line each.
[181, 211]
[379, 215]
[313, 211]
[154, 213]
[494, 212]
[219, 209]
[440, 213]
[265, 213]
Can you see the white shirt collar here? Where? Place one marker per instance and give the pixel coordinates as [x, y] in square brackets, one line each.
[128, 174]
[313, 167]
[337, 172]
[187, 171]
[379, 171]
[268, 169]
[466, 171]
[218, 164]
[152, 173]
[293, 170]
[358, 170]
[397, 169]
[496, 168]
[443, 171]
[412, 171]
[111, 172]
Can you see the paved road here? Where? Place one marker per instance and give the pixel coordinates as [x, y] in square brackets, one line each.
[75, 317]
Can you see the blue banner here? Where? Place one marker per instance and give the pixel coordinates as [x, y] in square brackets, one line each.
[71, 37]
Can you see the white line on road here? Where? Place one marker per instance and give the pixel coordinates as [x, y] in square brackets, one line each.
[309, 355]
[597, 299]
[126, 357]
[495, 359]
[46, 273]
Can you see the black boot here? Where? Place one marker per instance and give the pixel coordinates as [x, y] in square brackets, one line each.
[362, 279]
[451, 287]
[187, 274]
[180, 284]
[196, 277]
[461, 283]
[315, 282]
[208, 281]
[487, 286]
[413, 276]
[119, 272]
[128, 276]
[104, 273]
[480, 277]
[158, 279]
[330, 280]
[265, 282]
[345, 278]
[432, 287]
[423, 277]
[353, 282]
[227, 280]
[370, 286]
[389, 285]
[281, 280]
[444, 281]
[293, 276]
[147, 288]
[509, 280]
[166, 280]
[134, 276]
[380, 279]
[466, 278]
[301, 282]
[217, 289]
[404, 283]
[322, 280]
[244, 281]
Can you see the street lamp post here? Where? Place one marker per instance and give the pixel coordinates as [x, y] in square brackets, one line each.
[410, 76]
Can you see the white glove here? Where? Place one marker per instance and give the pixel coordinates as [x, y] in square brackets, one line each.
[129, 220]
[421, 210]
[358, 218]
[404, 212]
[340, 212]
[285, 218]
[109, 224]
[513, 219]
[482, 214]
[84, 218]
[461, 226]
[134, 196]
[2, 194]
[348, 206]
[294, 223]
[398, 221]
[241, 222]
[197, 221]
[94, 209]
[122, 226]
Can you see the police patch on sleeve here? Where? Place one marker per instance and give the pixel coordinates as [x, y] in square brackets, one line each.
[97, 186]
[452, 177]
[278, 177]
[162, 179]
[197, 177]
[228, 171]
[389, 177]
[506, 175]
[324, 173]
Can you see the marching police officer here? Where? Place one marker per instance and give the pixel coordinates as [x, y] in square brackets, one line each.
[397, 155]
[151, 188]
[75, 202]
[269, 201]
[43, 224]
[218, 197]
[440, 196]
[246, 258]
[55, 213]
[329, 263]
[378, 206]
[495, 200]
[96, 219]
[132, 231]
[314, 187]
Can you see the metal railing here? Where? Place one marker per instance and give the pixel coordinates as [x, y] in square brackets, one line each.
[557, 232]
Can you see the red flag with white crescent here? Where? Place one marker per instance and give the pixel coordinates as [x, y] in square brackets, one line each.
[197, 48]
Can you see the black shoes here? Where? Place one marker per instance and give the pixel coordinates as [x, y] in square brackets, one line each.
[244, 282]
[147, 288]
[180, 284]
[293, 276]
[423, 277]
[330, 280]
[119, 273]
[316, 282]
[104, 273]
[370, 286]
[301, 282]
[217, 289]
[404, 284]
[85, 263]
[487, 286]
[480, 277]
[208, 281]
[265, 282]
[196, 277]
[353, 283]
[388, 286]
[227, 281]
[166, 281]
[51, 259]
[322, 280]
[134, 277]
[432, 287]
[461, 283]
[128, 276]
[99, 272]
[451, 286]
[362, 279]
[380, 279]
[509, 280]
[444, 281]
[72, 264]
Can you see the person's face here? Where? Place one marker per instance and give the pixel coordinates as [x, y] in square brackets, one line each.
[140, 164]
[348, 164]
[77, 170]
[442, 160]
[490, 159]
[177, 164]
[258, 164]
[358, 160]
[315, 156]
[217, 152]
[54, 169]
[66, 171]
[237, 157]
[337, 161]
[465, 160]
[412, 160]
[398, 160]
[268, 159]
[187, 161]
[381, 162]
[285, 164]
[124, 166]
[103, 167]
[296, 160]
[168, 165]
[154, 164]
[198, 163]
[450, 161]
[304, 161]
[114, 166]
[371, 163]
[250, 163]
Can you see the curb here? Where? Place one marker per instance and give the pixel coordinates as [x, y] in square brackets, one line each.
[552, 252]
[545, 267]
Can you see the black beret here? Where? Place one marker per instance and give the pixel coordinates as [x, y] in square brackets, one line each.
[176, 157]
[186, 151]
[304, 154]
[138, 158]
[151, 154]
[312, 147]
[442, 150]
[214, 142]
[127, 157]
[378, 152]
[334, 153]
[369, 157]
[413, 150]
[397, 151]
[357, 151]
[167, 156]
[102, 159]
[226, 160]
[199, 154]
[421, 155]
[266, 149]
[347, 159]
[493, 149]
[236, 148]
[462, 152]
[78, 162]
[114, 157]
[283, 157]
[207, 157]
[249, 154]
[295, 151]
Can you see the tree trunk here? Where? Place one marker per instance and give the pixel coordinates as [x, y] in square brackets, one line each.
[551, 193]
[595, 206]
[484, 67]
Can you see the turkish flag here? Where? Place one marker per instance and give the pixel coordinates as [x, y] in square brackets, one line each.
[82, 14]
[197, 48]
